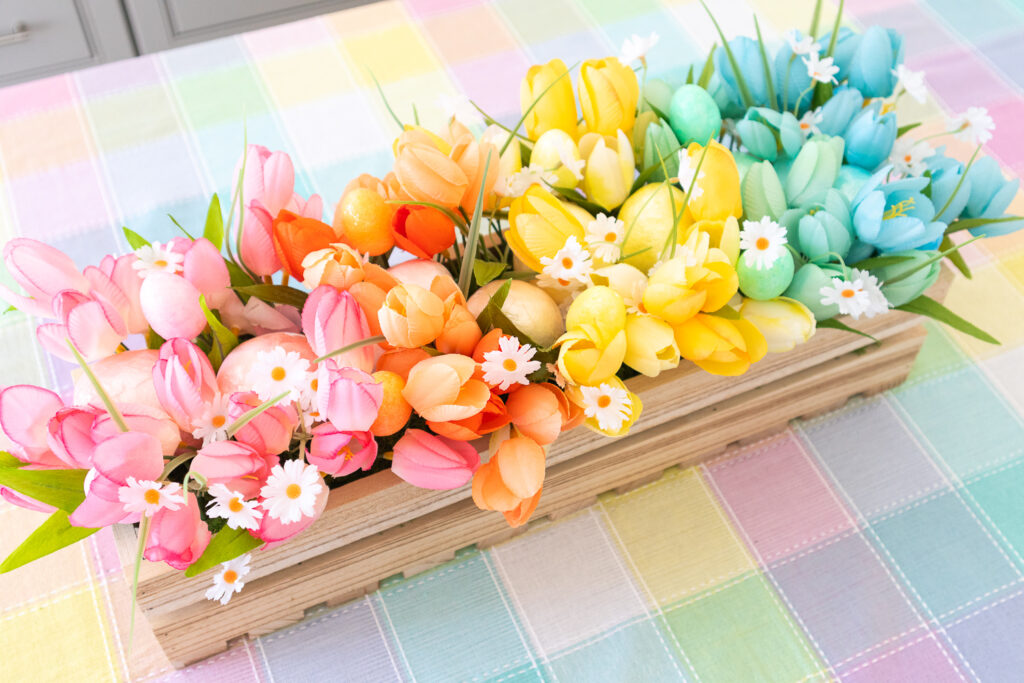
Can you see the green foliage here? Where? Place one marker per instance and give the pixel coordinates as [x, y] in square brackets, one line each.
[50, 536]
[931, 308]
[225, 545]
[63, 489]
[214, 229]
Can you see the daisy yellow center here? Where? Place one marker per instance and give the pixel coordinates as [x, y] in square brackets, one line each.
[293, 491]
[509, 364]
[564, 283]
[567, 262]
[804, 125]
[604, 401]
[314, 384]
[236, 505]
[907, 158]
[218, 421]
[151, 496]
[160, 262]
[762, 243]
[848, 293]
[610, 237]
[278, 374]
[230, 576]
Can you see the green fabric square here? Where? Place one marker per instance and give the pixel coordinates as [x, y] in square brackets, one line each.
[742, 633]
[999, 497]
[537, 21]
[108, 117]
[223, 95]
[607, 11]
[938, 354]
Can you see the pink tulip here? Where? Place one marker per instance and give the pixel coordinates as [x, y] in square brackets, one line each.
[177, 537]
[332, 320]
[257, 317]
[275, 532]
[21, 500]
[25, 411]
[349, 398]
[269, 178]
[171, 305]
[235, 368]
[70, 435]
[309, 208]
[143, 419]
[126, 454]
[434, 462]
[89, 322]
[204, 267]
[339, 453]
[270, 432]
[42, 271]
[185, 382]
[236, 465]
[257, 250]
[118, 283]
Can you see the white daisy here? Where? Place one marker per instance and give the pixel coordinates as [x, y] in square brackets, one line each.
[762, 241]
[149, 496]
[849, 296]
[821, 70]
[908, 156]
[877, 303]
[277, 371]
[460, 108]
[636, 48]
[213, 425]
[228, 580]
[974, 126]
[809, 122]
[157, 258]
[519, 182]
[689, 179]
[604, 237]
[291, 490]
[570, 263]
[510, 364]
[567, 155]
[912, 82]
[232, 506]
[801, 44]
[608, 404]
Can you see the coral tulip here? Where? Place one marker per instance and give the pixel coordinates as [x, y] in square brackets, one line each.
[460, 333]
[394, 410]
[422, 231]
[42, 271]
[411, 316]
[539, 226]
[296, 236]
[433, 462]
[332, 320]
[538, 411]
[185, 382]
[472, 158]
[556, 108]
[270, 432]
[443, 389]
[400, 361]
[337, 453]
[608, 92]
[171, 305]
[237, 465]
[719, 345]
[493, 417]
[178, 537]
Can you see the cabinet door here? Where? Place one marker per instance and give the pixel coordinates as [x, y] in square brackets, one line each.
[161, 24]
[43, 37]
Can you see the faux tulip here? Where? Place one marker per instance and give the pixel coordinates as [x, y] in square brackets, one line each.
[949, 187]
[677, 290]
[274, 532]
[913, 285]
[837, 113]
[870, 137]
[770, 135]
[411, 316]
[491, 418]
[237, 465]
[178, 537]
[556, 108]
[337, 453]
[70, 435]
[538, 411]
[515, 473]
[349, 398]
[42, 271]
[25, 412]
[332, 320]
[783, 322]
[846, 44]
[720, 346]
[650, 212]
[204, 267]
[185, 382]
[433, 462]
[806, 287]
[269, 177]
[791, 80]
[91, 324]
[609, 172]
[344, 269]
[594, 345]
[896, 216]
[424, 170]
[720, 181]
[551, 152]
[539, 226]
[422, 231]
[400, 361]
[762, 193]
[721, 235]
[747, 53]
[460, 333]
[814, 169]
[394, 411]
[472, 157]
[660, 146]
[257, 248]
[257, 317]
[633, 406]
[990, 195]
[116, 282]
[128, 454]
[628, 282]
[295, 236]
[824, 229]
[443, 389]
[310, 208]
[872, 69]
[171, 305]
[650, 345]
[608, 92]
[270, 432]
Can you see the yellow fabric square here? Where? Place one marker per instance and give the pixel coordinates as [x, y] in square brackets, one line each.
[64, 640]
[305, 75]
[367, 18]
[59, 572]
[677, 536]
[985, 301]
[43, 140]
[1012, 266]
[392, 55]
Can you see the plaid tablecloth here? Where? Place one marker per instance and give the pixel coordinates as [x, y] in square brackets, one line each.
[881, 542]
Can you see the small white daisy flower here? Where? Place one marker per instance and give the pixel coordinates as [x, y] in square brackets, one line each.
[228, 580]
[519, 182]
[570, 263]
[510, 364]
[157, 258]
[460, 108]
[232, 506]
[291, 490]
[908, 156]
[821, 70]
[213, 425]
[974, 126]
[877, 303]
[277, 371]
[849, 296]
[636, 48]
[762, 242]
[801, 44]
[604, 237]
[148, 496]
[566, 154]
[689, 179]
[608, 404]
[809, 122]
[912, 82]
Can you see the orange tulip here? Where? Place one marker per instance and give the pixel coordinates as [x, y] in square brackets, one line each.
[520, 514]
[394, 410]
[493, 417]
[411, 316]
[401, 361]
[443, 389]
[538, 411]
[513, 474]
[471, 156]
[343, 268]
[489, 342]
[424, 170]
[461, 331]
[295, 237]
[422, 231]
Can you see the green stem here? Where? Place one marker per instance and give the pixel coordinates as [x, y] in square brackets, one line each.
[345, 349]
[115, 414]
[963, 176]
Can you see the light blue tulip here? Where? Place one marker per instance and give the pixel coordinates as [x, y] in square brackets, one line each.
[913, 285]
[850, 180]
[791, 79]
[859, 251]
[990, 195]
[896, 216]
[877, 55]
[807, 283]
[870, 137]
[748, 58]
[826, 229]
[839, 110]
[843, 52]
[768, 134]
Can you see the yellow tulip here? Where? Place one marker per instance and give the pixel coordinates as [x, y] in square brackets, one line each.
[784, 322]
[635, 407]
[594, 345]
[627, 281]
[539, 225]
[639, 134]
[610, 169]
[608, 93]
[650, 345]
[719, 183]
[719, 345]
[724, 235]
[698, 278]
[599, 312]
[552, 151]
[649, 215]
[556, 108]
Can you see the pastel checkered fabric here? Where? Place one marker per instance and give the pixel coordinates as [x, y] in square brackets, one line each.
[881, 542]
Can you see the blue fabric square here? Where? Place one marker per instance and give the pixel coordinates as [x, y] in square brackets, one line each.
[637, 652]
[990, 640]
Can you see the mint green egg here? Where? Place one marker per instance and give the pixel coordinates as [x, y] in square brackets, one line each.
[693, 115]
[766, 283]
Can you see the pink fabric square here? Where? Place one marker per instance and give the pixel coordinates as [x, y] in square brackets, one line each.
[275, 40]
[1007, 142]
[80, 207]
[779, 499]
[127, 74]
[46, 93]
[424, 8]
[485, 81]
[947, 73]
[922, 661]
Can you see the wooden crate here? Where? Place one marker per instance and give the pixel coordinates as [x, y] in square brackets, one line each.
[379, 526]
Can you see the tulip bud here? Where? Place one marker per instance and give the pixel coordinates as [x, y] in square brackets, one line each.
[650, 345]
[783, 322]
[339, 453]
[769, 135]
[608, 93]
[411, 316]
[539, 226]
[720, 346]
[912, 286]
[660, 151]
[433, 462]
[236, 465]
[870, 137]
[550, 153]
[814, 169]
[609, 171]
[185, 382]
[177, 537]
[557, 108]
[652, 220]
[836, 114]
[762, 193]
[872, 68]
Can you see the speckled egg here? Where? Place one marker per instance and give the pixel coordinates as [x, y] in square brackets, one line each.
[766, 283]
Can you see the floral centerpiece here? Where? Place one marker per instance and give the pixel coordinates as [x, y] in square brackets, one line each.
[494, 289]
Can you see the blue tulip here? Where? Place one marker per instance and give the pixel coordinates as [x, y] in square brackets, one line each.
[989, 196]
[748, 58]
[727, 99]
[896, 216]
[768, 134]
[807, 283]
[791, 79]
[850, 180]
[869, 137]
[860, 251]
[842, 53]
[839, 110]
[826, 230]
[879, 51]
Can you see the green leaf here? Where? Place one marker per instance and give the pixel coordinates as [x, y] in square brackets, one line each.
[815, 19]
[10, 309]
[275, 294]
[968, 223]
[823, 91]
[880, 262]
[469, 253]
[485, 271]
[689, 75]
[384, 98]
[351, 347]
[955, 257]
[135, 240]
[903, 130]
[741, 82]
[931, 308]
[578, 199]
[225, 545]
[768, 78]
[50, 536]
[63, 489]
[938, 257]
[154, 340]
[180, 227]
[834, 324]
[255, 412]
[709, 68]
[224, 340]
[214, 230]
[239, 278]
[486, 319]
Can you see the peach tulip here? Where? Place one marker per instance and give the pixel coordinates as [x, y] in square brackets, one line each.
[538, 411]
[296, 236]
[460, 333]
[443, 389]
[401, 361]
[515, 472]
[171, 305]
[411, 316]
[43, 272]
[424, 170]
[185, 382]
[237, 465]
[270, 432]
[433, 462]
[332, 320]
[338, 453]
[520, 514]
[233, 372]
[471, 156]
[177, 537]
[493, 417]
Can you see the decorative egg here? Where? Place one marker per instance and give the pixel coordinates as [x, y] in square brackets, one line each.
[693, 115]
[766, 283]
[527, 306]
